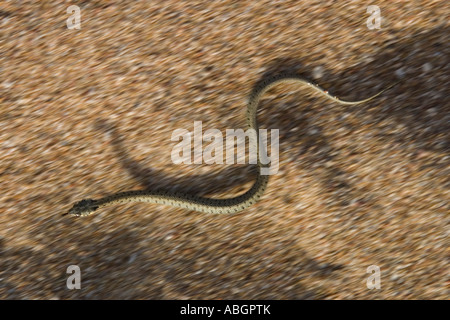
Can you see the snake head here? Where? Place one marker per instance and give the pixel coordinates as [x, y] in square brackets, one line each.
[83, 208]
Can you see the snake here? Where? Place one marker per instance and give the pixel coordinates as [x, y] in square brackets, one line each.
[211, 205]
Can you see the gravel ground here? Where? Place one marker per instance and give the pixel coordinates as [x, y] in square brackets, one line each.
[89, 112]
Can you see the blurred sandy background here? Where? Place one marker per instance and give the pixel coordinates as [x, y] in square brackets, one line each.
[89, 112]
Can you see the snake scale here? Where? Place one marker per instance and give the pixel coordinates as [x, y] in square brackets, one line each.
[210, 205]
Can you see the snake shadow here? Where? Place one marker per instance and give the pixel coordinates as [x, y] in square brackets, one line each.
[150, 179]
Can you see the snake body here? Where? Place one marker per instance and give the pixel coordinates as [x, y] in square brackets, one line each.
[209, 205]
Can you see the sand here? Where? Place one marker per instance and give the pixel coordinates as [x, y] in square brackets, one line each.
[91, 111]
